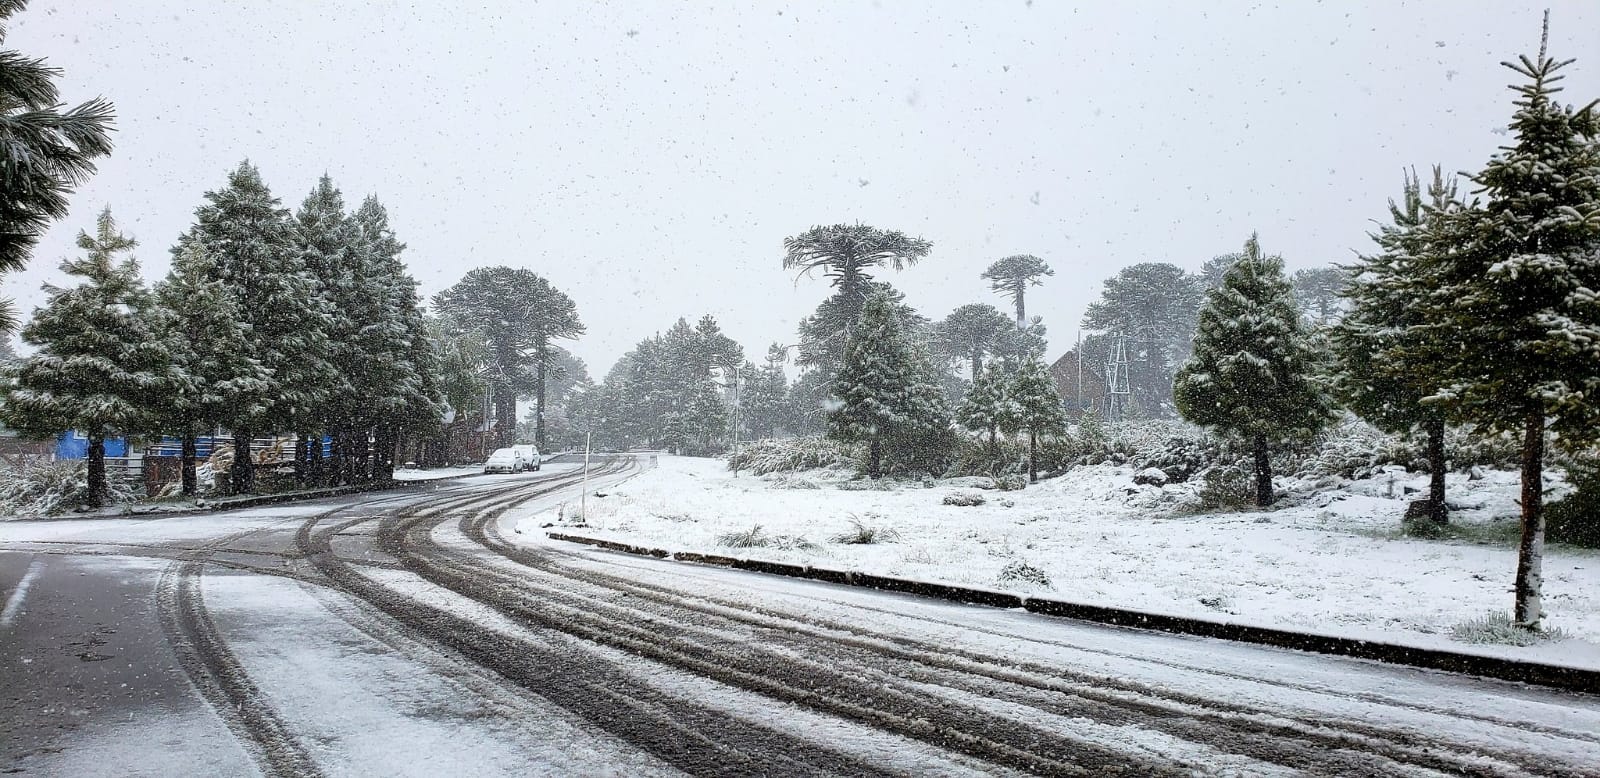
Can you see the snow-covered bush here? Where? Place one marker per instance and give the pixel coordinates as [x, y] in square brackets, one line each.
[1351, 449]
[1225, 487]
[1180, 451]
[789, 455]
[1497, 627]
[40, 487]
[755, 537]
[964, 499]
[1020, 572]
[861, 533]
[1013, 482]
[974, 455]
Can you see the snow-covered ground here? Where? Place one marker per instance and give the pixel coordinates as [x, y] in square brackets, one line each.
[1330, 561]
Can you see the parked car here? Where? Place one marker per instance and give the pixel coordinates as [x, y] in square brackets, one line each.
[504, 460]
[530, 455]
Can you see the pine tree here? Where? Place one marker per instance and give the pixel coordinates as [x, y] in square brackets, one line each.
[1318, 290]
[886, 397]
[103, 365]
[1253, 373]
[1390, 360]
[209, 344]
[1515, 294]
[45, 153]
[765, 397]
[250, 242]
[1039, 410]
[405, 397]
[988, 406]
[327, 243]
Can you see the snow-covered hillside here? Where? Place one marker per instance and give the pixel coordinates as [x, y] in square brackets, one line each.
[1331, 560]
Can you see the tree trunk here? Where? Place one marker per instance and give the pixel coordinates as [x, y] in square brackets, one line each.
[302, 458]
[97, 470]
[1530, 552]
[875, 458]
[977, 363]
[1022, 316]
[1263, 472]
[506, 418]
[243, 472]
[538, 388]
[188, 451]
[1436, 470]
[1033, 456]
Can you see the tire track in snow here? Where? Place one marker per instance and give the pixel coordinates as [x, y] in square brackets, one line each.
[1237, 729]
[669, 728]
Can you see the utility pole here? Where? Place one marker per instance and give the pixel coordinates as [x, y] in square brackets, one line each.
[583, 496]
[1077, 406]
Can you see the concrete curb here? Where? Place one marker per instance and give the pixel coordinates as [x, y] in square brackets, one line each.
[1537, 673]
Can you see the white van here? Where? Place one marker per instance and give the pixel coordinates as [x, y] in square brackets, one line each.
[530, 455]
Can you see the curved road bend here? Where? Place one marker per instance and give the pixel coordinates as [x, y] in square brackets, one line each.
[417, 633]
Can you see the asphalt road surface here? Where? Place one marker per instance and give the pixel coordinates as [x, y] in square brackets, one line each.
[416, 632]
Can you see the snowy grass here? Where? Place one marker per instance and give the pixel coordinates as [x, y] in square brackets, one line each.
[1331, 557]
[1498, 628]
[861, 534]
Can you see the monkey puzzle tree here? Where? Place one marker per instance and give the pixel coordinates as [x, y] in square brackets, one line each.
[1013, 275]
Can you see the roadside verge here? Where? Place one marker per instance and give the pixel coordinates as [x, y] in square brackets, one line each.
[1538, 673]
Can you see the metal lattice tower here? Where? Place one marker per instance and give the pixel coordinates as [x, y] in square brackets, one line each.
[1117, 389]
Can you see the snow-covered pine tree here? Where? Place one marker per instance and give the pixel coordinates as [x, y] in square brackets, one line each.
[1317, 290]
[209, 344]
[1390, 360]
[765, 397]
[103, 366]
[1517, 295]
[249, 239]
[1038, 408]
[886, 396]
[988, 407]
[407, 396]
[1253, 373]
[327, 243]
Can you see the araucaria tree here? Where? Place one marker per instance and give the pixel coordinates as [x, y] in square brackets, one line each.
[1153, 305]
[1253, 373]
[971, 333]
[1390, 358]
[1518, 299]
[44, 153]
[887, 396]
[1013, 275]
[519, 315]
[102, 365]
[1039, 411]
[847, 254]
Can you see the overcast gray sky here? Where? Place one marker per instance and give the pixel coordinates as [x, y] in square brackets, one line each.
[649, 158]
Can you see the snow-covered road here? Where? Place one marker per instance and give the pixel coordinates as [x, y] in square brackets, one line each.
[421, 634]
